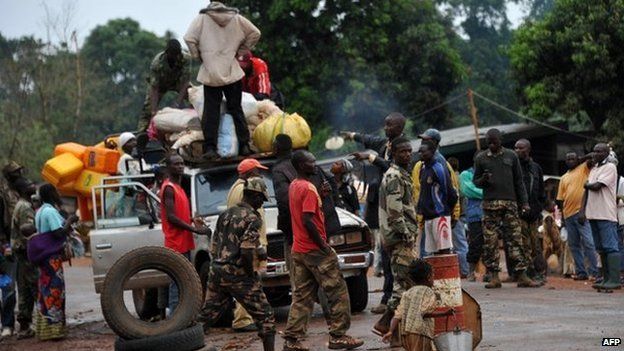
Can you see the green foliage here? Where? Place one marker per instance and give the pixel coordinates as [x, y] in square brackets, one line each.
[119, 53]
[487, 28]
[40, 103]
[571, 64]
[351, 63]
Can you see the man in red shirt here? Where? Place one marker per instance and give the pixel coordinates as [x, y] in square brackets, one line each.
[256, 80]
[314, 264]
[176, 218]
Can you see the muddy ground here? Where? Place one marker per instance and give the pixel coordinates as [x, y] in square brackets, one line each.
[563, 315]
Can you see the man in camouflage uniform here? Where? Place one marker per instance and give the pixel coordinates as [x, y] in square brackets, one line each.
[11, 173]
[21, 228]
[398, 226]
[169, 71]
[233, 245]
[498, 172]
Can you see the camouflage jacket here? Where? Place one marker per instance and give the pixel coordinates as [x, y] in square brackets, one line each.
[22, 214]
[165, 77]
[237, 228]
[9, 198]
[397, 210]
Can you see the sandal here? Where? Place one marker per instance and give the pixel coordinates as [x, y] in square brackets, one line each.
[344, 342]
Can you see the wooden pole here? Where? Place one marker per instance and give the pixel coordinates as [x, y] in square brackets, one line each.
[475, 120]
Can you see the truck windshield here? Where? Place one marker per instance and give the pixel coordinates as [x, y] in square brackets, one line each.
[212, 189]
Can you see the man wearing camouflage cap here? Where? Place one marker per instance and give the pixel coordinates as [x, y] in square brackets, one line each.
[247, 168]
[234, 242]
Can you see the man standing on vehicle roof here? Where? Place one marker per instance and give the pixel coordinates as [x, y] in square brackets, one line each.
[169, 71]
[217, 36]
[394, 124]
[176, 218]
[314, 264]
[232, 274]
[256, 80]
[248, 168]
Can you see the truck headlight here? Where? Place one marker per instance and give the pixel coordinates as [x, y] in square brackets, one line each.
[336, 240]
[353, 238]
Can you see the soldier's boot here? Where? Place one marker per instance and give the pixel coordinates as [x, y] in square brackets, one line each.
[268, 342]
[613, 280]
[603, 272]
[525, 282]
[495, 282]
[294, 345]
[471, 275]
[383, 324]
[344, 342]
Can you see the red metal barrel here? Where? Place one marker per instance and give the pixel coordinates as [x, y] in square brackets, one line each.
[447, 285]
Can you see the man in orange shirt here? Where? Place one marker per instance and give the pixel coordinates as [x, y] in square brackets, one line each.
[314, 264]
[570, 197]
[176, 218]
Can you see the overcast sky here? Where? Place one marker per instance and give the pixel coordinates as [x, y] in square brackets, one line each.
[28, 17]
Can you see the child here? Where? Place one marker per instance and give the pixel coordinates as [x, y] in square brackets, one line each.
[414, 315]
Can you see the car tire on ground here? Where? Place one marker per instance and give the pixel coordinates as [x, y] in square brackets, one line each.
[146, 303]
[116, 314]
[358, 291]
[184, 340]
[228, 315]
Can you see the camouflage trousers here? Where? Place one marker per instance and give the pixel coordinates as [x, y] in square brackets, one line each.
[503, 222]
[309, 271]
[532, 247]
[27, 276]
[146, 112]
[400, 260]
[247, 291]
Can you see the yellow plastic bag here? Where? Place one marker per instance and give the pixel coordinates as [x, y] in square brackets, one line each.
[293, 125]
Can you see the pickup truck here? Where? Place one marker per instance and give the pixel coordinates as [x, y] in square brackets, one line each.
[127, 217]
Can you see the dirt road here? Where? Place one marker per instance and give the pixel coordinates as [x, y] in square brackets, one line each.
[563, 315]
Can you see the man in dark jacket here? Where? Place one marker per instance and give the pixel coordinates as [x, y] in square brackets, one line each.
[394, 124]
[283, 173]
[499, 174]
[533, 178]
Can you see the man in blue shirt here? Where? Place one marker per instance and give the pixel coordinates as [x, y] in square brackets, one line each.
[473, 214]
[436, 201]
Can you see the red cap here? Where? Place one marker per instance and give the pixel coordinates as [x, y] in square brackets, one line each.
[248, 164]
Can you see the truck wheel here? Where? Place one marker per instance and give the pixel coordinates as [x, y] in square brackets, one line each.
[358, 291]
[146, 303]
[184, 340]
[228, 315]
[161, 259]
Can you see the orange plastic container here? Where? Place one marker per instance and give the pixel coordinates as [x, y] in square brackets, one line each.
[72, 148]
[62, 169]
[101, 160]
[86, 214]
[67, 189]
[87, 180]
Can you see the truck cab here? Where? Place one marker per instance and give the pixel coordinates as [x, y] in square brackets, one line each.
[119, 229]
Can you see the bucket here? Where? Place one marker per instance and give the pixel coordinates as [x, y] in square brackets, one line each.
[447, 285]
[456, 340]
